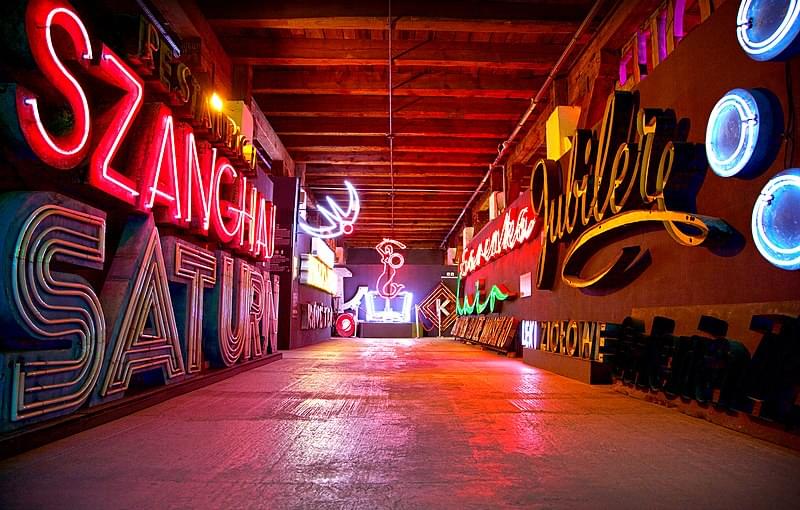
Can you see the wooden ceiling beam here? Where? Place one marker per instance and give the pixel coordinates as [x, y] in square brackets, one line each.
[344, 126]
[400, 159]
[411, 23]
[373, 83]
[402, 108]
[361, 171]
[381, 144]
[369, 52]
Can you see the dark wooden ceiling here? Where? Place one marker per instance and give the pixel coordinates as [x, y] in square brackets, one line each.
[463, 74]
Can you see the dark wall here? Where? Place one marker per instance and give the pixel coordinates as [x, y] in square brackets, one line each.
[683, 281]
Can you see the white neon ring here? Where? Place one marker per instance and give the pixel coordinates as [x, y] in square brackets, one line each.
[771, 46]
[748, 135]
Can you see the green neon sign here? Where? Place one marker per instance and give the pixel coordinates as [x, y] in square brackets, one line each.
[465, 307]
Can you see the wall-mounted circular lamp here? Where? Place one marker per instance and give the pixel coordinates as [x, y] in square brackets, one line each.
[776, 220]
[768, 29]
[743, 133]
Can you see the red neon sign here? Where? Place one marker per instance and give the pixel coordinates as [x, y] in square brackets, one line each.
[518, 227]
[59, 151]
[170, 172]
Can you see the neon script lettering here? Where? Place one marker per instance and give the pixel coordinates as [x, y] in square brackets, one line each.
[517, 228]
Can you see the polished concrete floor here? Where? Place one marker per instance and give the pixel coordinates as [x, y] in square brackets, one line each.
[403, 424]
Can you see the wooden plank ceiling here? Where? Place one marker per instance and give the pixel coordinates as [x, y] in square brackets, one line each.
[463, 74]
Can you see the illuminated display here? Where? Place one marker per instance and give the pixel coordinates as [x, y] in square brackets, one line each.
[768, 29]
[168, 171]
[776, 220]
[87, 320]
[387, 312]
[741, 134]
[392, 261]
[59, 151]
[338, 222]
[596, 200]
[496, 293]
[582, 339]
[518, 227]
[314, 273]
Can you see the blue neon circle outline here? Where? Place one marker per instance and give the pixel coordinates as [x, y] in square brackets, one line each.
[781, 44]
[787, 258]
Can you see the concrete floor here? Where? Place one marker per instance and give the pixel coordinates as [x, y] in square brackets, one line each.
[403, 424]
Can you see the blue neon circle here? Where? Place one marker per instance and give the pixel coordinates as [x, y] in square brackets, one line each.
[776, 220]
[741, 133]
[768, 29]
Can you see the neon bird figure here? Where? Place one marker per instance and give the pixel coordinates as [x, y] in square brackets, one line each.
[392, 261]
[337, 221]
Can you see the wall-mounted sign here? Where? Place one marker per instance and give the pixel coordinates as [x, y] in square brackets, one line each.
[619, 179]
[768, 29]
[495, 295]
[518, 227]
[321, 250]
[314, 273]
[315, 316]
[743, 133]
[776, 220]
[169, 170]
[81, 327]
[338, 222]
[581, 339]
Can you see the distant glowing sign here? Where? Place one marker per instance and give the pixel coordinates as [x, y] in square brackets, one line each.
[768, 29]
[741, 133]
[387, 312]
[338, 222]
[314, 273]
[776, 220]
[392, 261]
[518, 226]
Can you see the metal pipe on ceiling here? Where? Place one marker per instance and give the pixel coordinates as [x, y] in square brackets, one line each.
[505, 146]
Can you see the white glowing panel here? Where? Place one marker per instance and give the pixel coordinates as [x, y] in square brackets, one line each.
[396, 309]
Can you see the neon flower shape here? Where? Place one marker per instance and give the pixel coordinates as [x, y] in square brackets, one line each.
[392, 261]
[337, 221]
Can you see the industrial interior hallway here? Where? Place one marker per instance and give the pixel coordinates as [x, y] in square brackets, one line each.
[417, 423]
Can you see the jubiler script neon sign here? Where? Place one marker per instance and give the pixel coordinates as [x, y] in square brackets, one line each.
[517, 228]
[636, 171]
[184, 181]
